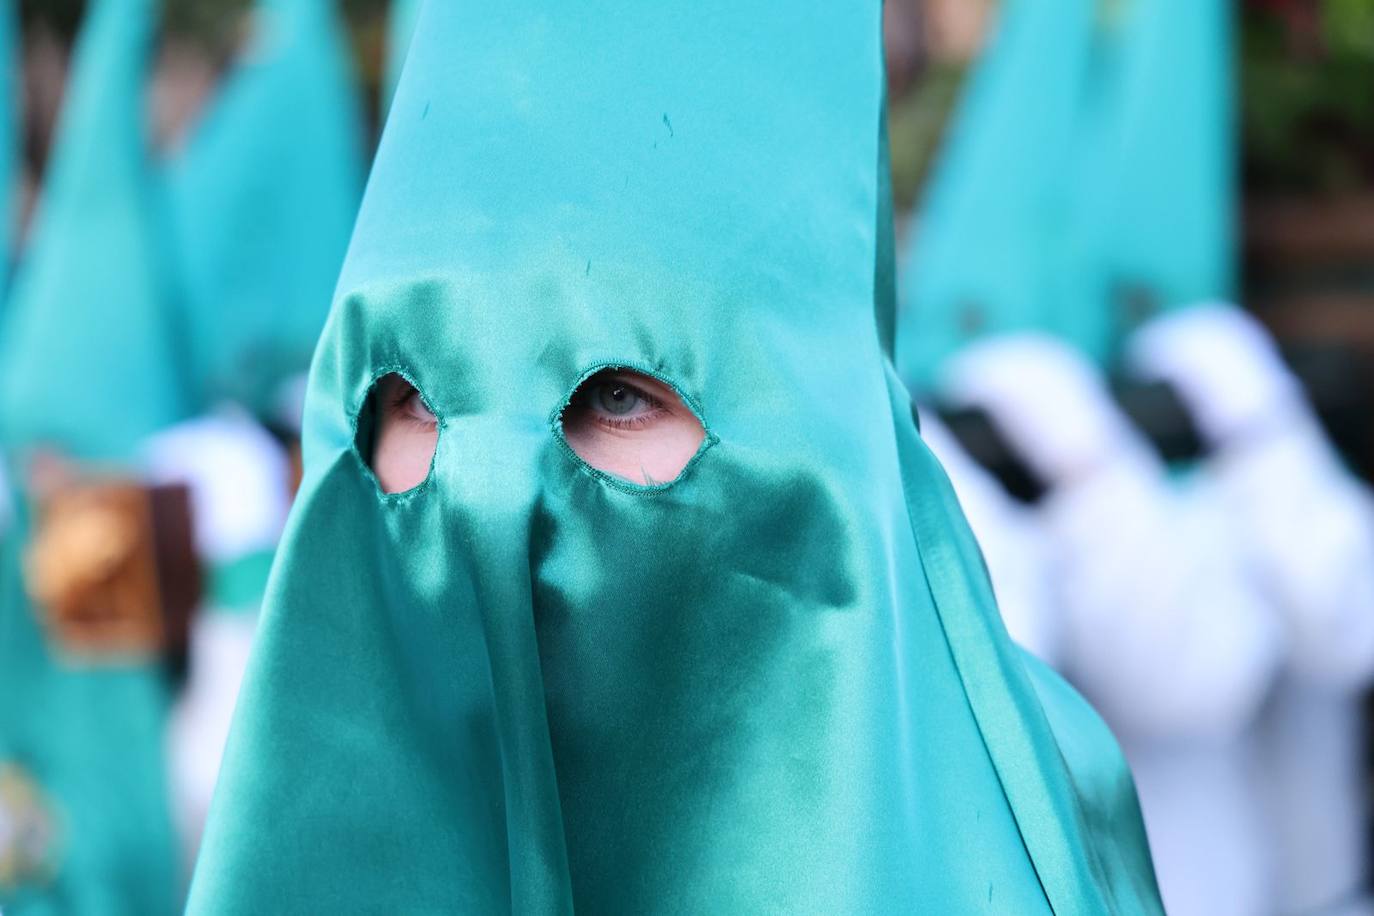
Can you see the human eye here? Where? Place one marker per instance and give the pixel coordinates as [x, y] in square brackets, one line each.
[613, 401]
[406, 404]
[632, 426]
[397, 434]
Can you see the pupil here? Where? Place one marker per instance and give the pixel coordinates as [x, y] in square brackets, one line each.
[618, 399]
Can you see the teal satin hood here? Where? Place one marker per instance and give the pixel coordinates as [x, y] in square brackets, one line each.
[776, 684]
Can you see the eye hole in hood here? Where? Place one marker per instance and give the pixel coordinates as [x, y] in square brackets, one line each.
[397, 434]
[631, 426]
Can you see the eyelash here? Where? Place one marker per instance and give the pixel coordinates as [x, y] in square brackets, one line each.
[399, 408]
[657, 410]
[638, 422]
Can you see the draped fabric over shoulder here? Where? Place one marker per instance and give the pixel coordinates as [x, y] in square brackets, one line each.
[778, 683]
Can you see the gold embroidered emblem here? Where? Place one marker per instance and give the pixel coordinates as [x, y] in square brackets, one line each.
[112, 569]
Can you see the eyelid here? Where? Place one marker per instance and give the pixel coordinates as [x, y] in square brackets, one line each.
[411, 405]
[416, 408]
[652, 399]
[640, 421]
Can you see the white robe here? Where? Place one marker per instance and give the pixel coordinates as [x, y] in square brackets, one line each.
[1159, 622]
[1307, 528]
[238, 477]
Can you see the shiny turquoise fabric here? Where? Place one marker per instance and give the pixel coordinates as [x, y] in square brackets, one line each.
[777, 684]
[90, 366]
[264, 199]
[990, 238]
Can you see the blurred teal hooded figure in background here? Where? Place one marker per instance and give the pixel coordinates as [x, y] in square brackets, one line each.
[264, 199]
[1154, 170]
[776, 683]
[1087, 180]
[1161, 617]
[990, 228]
[9, 197]
[89, 367]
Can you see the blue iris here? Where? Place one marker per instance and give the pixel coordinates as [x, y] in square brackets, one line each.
[616, 398]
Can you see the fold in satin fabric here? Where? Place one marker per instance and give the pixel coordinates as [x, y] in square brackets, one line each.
[778, 684]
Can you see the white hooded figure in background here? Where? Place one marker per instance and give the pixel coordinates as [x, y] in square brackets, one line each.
[1307, 527]
[1160, 622]
[6, 501]
[240, 488]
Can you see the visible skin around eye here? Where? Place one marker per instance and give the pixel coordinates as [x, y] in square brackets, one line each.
[618, 421]
[632, 426]
[405, 438]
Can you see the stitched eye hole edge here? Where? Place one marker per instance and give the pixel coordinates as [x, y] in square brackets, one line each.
[630, 428]
[397, 434]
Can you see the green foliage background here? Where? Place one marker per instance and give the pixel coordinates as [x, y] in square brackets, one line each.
[1307, 90]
